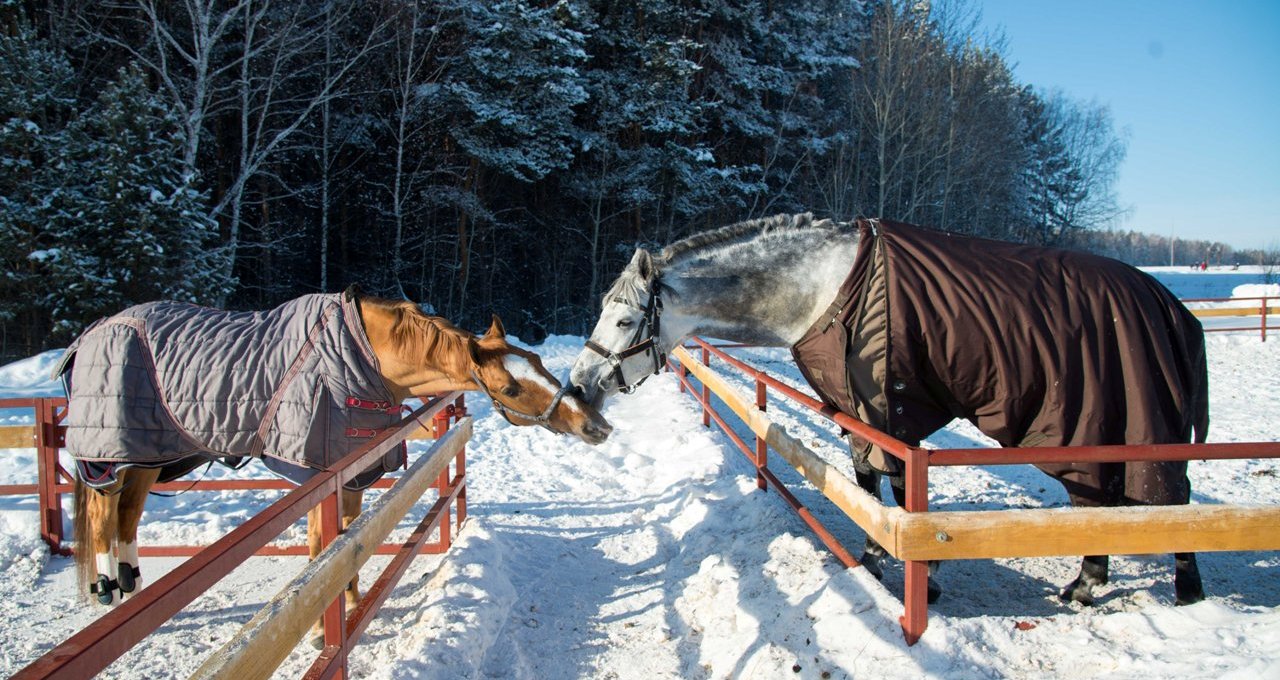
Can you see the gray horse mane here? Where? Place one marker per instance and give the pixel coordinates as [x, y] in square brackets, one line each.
[632, 288]
[737, 232]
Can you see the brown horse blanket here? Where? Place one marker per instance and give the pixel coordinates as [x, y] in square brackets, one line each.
[171, 385]
[1035, 346]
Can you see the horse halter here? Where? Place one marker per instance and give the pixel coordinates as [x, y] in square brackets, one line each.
[638, 349]
[543, 419]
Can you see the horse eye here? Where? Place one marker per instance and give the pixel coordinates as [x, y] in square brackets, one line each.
[511, 390]
[624, 323]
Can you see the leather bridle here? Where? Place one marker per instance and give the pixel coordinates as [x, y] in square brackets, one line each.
[646, 348]
[543, 419]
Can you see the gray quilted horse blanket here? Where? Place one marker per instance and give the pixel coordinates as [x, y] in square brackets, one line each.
[171, 385]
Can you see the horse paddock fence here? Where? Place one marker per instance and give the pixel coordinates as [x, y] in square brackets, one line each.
[1214, 309]
[271, 635]
[915, 535]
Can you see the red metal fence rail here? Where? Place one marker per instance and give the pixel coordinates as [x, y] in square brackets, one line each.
[106, 639]
[48, 437]
[918, 461]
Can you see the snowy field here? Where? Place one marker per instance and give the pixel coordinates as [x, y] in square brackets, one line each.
[653, 556]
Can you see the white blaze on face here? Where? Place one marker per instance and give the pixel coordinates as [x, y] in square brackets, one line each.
[524, 371]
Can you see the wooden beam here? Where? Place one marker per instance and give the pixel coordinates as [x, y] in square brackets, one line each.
[1085, 531]
[865, 510]
[266, 640]
[18, 437]
[1234, 311]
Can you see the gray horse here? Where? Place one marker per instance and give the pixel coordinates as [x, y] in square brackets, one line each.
[906, 328]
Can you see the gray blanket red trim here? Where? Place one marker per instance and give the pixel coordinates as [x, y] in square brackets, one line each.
[165, 382]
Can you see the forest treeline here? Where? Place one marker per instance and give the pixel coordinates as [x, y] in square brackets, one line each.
[501, 156]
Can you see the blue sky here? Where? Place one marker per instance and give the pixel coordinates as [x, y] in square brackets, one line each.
[1194, 87]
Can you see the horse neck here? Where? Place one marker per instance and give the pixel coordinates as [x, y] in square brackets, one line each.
[444, 370]
[766, 296]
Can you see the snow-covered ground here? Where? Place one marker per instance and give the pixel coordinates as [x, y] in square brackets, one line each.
[654, 556]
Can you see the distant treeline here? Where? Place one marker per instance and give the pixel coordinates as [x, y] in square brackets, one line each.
[498, 155]
[1151, 249]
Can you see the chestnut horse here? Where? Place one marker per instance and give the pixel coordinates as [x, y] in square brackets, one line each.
[416, 354]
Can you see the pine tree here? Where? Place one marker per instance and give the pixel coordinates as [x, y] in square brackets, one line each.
[37, 102]
[129, 223]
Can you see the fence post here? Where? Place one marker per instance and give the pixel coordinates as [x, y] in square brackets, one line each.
[47, 475]
[706, 391]
[762, 446]
[915, 595]
[460, 411]
[1264, 318]
[440, 426]
[335, 616]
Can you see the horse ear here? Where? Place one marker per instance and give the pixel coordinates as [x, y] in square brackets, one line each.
[495, 329]
[643, 263]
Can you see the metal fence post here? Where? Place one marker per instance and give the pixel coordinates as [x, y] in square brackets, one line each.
[335, 616]
[762, 446]
[50, 500]
[915, 594]
[706, 391]
[440, 426]
[460, 411]
[1264, 318]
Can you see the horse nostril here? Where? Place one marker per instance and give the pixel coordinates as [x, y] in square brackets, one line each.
[597, 432]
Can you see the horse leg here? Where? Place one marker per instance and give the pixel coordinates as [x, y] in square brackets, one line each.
[313, 548]
[129, 513]
[351, 501]
[869, 481]
[1166, 483]
[1090, 485]
[100, 540]
[1186, 579]
[898, 484]
[350, 510]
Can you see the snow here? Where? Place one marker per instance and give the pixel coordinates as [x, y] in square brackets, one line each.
[654, 556]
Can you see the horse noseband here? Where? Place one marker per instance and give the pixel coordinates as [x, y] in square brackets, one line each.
[543, 419]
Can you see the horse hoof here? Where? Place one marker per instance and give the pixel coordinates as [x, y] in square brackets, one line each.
[129, 575]
[104, 588]
[1077, 592]
[1189, 598]
[934, 591]
[872, 564]
[317, 642]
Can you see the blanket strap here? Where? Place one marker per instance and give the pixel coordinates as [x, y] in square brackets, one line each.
[268, 418]
[367, 405]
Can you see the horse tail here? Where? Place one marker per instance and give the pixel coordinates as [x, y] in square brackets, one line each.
[1202, 403]
[86, 571]
[1200, 393]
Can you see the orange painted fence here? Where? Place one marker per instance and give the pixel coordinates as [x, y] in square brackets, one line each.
[916, 535]
[106, 639]
[1230, 307]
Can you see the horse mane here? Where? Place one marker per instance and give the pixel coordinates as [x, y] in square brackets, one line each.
[735, 232]
[415, 334]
